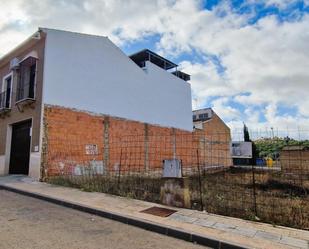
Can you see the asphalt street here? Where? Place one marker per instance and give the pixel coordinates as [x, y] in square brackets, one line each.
[30, 223]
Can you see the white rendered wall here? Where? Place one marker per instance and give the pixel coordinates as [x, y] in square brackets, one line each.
[35, 165]
[91, 73]
[2, 165]
[5, 159]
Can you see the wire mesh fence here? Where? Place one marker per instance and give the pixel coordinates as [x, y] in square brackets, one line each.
[135, 166]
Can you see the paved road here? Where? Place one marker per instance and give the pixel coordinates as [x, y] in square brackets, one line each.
[30, 223]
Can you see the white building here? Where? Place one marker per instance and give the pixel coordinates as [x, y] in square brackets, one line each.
[91, 73]
[85, 72]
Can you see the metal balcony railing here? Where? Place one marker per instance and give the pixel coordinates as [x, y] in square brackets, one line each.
[5, 99]
[25, 92]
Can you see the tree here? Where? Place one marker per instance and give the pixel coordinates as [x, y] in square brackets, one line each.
[254, 150]
[271, 147]
[246, 134]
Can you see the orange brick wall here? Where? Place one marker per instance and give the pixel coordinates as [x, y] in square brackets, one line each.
[67, 134]
[125, 145]
[215, 148]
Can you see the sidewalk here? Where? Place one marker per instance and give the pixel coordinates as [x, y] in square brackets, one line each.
[207, 229]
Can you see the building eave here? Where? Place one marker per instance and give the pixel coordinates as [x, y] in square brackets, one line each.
[31, 39]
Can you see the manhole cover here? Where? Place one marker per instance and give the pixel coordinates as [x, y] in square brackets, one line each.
[158, 211]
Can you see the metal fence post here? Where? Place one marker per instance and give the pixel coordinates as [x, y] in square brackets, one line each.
[254, 191]
[200, 180]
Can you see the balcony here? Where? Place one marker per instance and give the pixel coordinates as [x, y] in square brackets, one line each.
[25, 94]
[5, 102]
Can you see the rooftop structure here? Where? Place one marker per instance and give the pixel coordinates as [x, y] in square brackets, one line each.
[202, 114]
[144, 55]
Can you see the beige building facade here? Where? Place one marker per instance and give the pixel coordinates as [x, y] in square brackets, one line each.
[21, 75]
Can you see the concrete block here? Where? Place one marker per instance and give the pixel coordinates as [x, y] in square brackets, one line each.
[175, 192]
[204, 223]
[304, 244]
[245, 231]
[183, 218]
[267, 236]
[224, 227]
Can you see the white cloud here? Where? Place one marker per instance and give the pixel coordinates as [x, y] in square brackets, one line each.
[268, 60]
[207, 82]
[225, 111]
[282, 4]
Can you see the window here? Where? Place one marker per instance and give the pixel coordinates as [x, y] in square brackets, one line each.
[6, 92]
[27, 76]
[203, 116]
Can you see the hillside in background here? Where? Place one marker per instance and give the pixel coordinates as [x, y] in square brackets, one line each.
[272, 146]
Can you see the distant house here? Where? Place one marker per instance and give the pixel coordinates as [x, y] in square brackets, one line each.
[294, 159]
[202, 115]
[215, 138]
[241, 153]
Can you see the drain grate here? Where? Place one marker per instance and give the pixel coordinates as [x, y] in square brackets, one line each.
[158, 211]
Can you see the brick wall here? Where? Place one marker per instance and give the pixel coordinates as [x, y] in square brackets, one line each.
[67, 134]
[127, 146]
[214, 142]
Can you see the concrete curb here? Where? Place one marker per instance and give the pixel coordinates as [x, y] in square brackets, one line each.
[147, 225]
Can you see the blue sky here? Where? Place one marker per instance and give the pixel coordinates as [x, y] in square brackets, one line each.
[249, 59]
[292, 11]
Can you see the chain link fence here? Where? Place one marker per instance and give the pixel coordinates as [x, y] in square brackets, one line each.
[133, 166]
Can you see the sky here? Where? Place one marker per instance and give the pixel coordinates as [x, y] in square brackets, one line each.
[248, 60]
